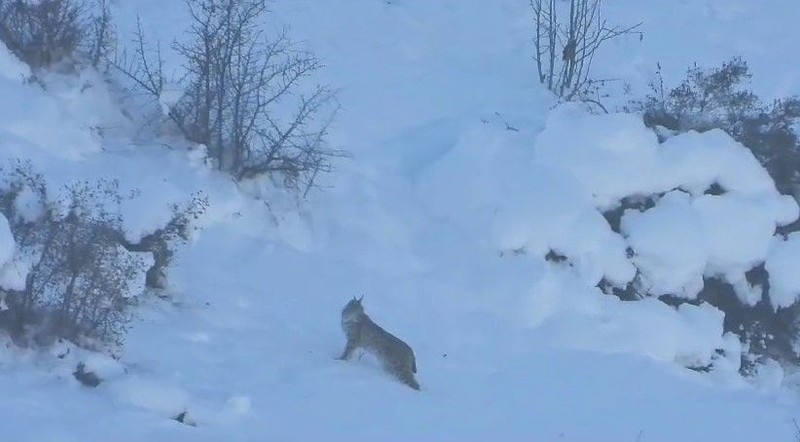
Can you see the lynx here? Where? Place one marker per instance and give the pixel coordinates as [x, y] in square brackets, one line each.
[395, 355]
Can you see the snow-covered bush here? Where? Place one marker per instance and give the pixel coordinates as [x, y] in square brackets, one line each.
[716, 98]
[45, 33]
[74, 274]
[758, 307]
[77, 278]
[244, 95]
[162, 242]
[698, 207]
[688, 223]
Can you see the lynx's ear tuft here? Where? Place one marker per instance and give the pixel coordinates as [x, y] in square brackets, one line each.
[360, 299]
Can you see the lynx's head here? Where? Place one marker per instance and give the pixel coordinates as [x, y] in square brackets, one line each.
[353, 311]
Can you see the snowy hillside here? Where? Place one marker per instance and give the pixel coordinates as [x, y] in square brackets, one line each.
[465, 179]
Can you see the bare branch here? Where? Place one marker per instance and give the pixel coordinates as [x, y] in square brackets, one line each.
[564, 50]
[239, 91]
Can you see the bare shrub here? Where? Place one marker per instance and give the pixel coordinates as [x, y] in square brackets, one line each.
[80, 278]
[244, 94]
[83, 278]
[102, 37]
[565, 47]
[46, 33]
[81, 273]
[718, 98]
[162, 242]
[705, 99]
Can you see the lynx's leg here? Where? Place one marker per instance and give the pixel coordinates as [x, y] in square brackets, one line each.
[348, 350]
[408, 379]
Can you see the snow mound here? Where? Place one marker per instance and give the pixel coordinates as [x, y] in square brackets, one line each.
[581, 316]
[710, 209]
[615, 156]
[490, 181]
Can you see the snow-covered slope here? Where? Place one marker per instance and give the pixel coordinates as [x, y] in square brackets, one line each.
[462, 179]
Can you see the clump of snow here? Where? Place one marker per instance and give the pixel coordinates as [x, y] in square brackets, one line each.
[10, 277]
[669, 245]
[614, 156]
[581, 316]
[683, 238]
[738, 231]
[694, 161]
[169, 98]
[162, 398]
[14, 273]
[609, 156]
[769, 375]
[137, 282]
[7, 244]
[28, 205]
[783, 266]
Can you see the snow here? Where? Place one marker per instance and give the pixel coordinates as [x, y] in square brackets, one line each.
[7, 244]
[464, 176]
[669, 244]
[683, 238]
[580, 316]
[169, 98]
[746, 220]
[781, 264]
[707, 33]
[614, 156]
[10, 67]
[688, 234]
[589, 148]
[8, 274]
[27, 204]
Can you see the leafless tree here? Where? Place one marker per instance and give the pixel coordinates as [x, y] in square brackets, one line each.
[243, 93]
[565, 48]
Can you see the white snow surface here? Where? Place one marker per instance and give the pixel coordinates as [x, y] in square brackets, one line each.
[7, 251]
[7, 245]
[464, 176]
[782, 264]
